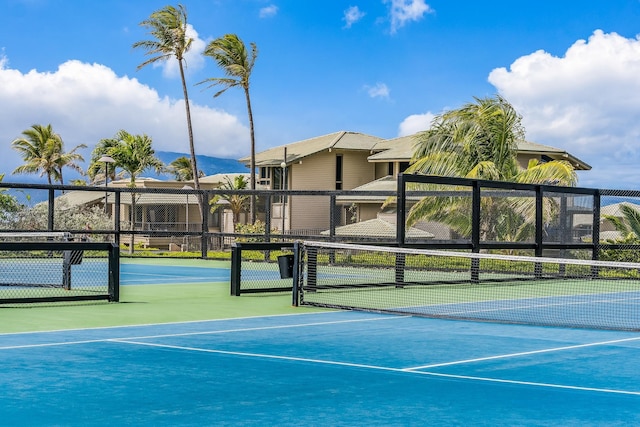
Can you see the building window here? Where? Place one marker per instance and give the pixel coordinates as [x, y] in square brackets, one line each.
[339, 172]
[390, 169]
[214, 218]
[265, 175]
[403, 166]
[279, 183]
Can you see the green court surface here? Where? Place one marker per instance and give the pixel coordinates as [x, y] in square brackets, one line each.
[150, 304]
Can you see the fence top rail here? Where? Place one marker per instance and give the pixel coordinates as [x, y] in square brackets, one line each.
[34, 234]
[432, 179]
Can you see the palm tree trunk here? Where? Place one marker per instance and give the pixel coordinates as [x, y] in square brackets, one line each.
[252, 177]
[192, 150]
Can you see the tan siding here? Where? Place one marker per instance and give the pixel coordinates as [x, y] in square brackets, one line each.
[356, 170]
[523, 160]
[316, 172]
[368, 211]
[382, 169]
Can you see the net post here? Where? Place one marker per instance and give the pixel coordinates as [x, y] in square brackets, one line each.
[66, 270]
[475, 231]
[296, 275]
[236, 260]
[595, 237]
[114, 273]
[399, 269]
[539, 225]
[312, 267]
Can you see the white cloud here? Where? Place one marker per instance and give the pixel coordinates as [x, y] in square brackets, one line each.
[87, 102]
[403, 11]
[415, 123]
[352, 15]
[380, 90]
[585, 102]
[269, 11]
[193, 59]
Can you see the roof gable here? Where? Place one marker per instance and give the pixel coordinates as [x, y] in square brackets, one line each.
[401, 149]
[296, 151]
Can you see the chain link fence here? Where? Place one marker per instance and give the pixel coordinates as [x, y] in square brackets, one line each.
[172, 219]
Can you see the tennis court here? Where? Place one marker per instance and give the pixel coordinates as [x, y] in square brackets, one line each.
[330, 368]
[179, 350]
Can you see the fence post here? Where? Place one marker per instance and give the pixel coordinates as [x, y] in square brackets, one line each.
[475, 231]
[236, 260]
[204, 240]
[296, 274]
[401, 206]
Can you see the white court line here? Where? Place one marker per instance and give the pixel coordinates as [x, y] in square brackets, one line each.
[525, 353]
[186, 334]
[187, 322]
[379, 368]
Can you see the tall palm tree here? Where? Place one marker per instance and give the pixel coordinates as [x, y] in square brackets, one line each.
[231, 54]
[168, 27]
[181, 170]
[43, 151]
[134, 154]
[480, 141]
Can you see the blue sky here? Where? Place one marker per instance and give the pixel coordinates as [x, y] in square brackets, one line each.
[380, 67]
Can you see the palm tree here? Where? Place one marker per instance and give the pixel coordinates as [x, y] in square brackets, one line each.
[236, 202]
[168, 27]
[43, 151]
[231, 54]
[8, 204]
[96, 170]
[629, 228]
[629, 225]
[480, 141]
[134, 154]
[180, 168]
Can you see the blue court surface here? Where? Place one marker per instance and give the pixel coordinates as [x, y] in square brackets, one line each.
[321, 369]
[143, 274]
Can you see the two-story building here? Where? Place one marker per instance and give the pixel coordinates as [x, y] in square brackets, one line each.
[351, 161]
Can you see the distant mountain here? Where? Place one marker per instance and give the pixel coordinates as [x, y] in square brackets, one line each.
[207, 164]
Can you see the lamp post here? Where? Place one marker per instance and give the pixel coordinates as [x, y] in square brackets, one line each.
[283, 165]
[188, 188]
[106, 160]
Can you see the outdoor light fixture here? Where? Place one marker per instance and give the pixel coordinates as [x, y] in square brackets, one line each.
[106, 160]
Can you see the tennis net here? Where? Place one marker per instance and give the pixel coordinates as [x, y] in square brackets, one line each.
[469, 286]
[51, 271]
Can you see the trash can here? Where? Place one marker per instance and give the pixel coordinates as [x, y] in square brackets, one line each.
[285, 263]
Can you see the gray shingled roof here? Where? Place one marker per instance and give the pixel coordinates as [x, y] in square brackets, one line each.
[377, 228]
[383, 150]
[401, 149]
[298, 150]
